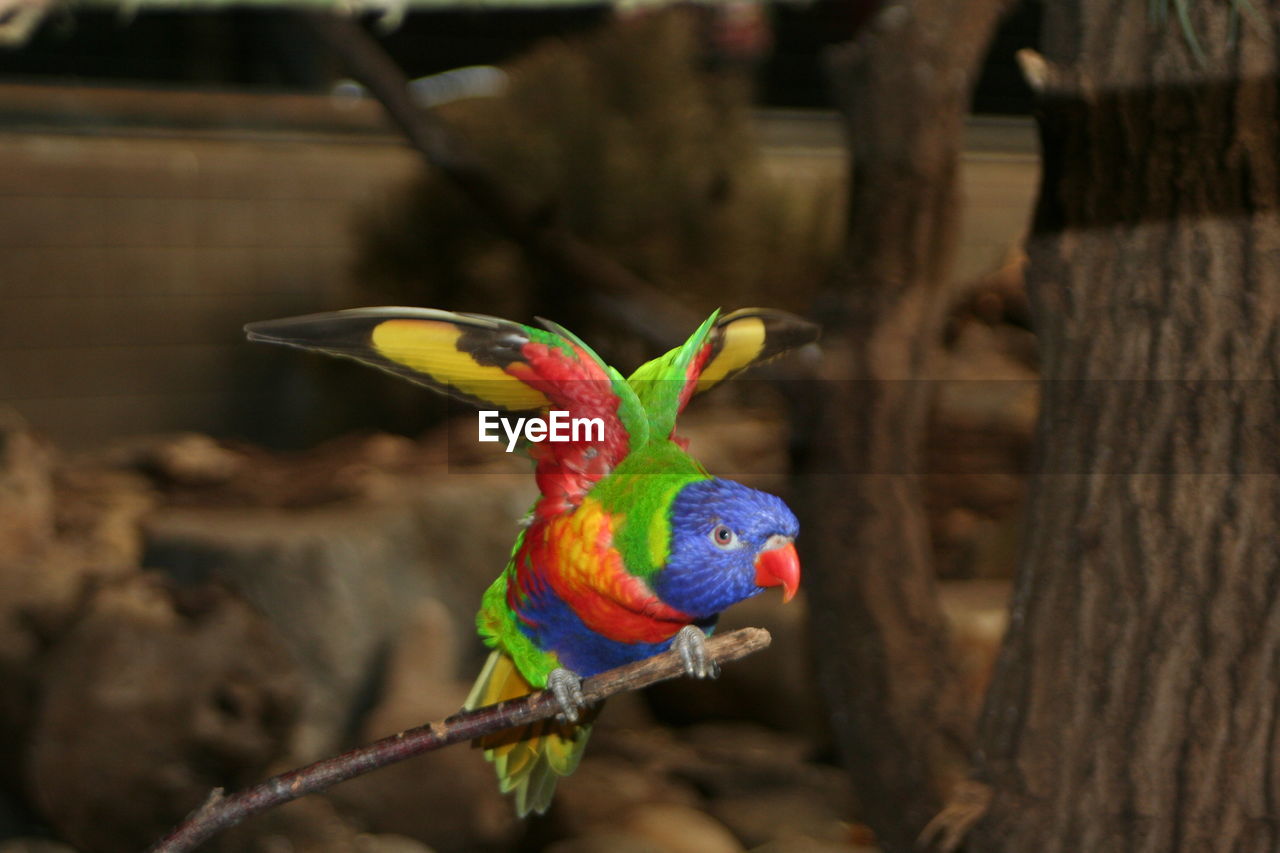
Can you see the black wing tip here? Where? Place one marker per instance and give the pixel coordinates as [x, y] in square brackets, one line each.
[553, 327]
[328, 326]
[790, 331]
[305, 326]
[328, 331]
[266, 331]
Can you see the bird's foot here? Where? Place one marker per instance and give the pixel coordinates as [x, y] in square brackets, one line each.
[567, 688]
[691, 644]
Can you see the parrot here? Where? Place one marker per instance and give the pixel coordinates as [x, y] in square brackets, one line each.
[632, 548]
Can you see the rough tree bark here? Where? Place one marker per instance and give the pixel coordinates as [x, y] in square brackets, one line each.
[882, 658]
[1136, 706]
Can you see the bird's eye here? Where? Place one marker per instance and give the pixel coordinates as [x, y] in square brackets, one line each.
[723, 537]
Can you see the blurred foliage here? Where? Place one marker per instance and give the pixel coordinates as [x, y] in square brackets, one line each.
[638, 146]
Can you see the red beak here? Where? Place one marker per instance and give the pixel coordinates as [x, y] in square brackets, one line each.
[779, 567]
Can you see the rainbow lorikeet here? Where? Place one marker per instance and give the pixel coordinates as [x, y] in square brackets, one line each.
[632, 548]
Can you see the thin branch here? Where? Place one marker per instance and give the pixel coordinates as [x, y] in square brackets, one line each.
[618, 292]
[221, 812]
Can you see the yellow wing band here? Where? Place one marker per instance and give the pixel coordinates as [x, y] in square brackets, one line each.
[432, 348]
[743, 342]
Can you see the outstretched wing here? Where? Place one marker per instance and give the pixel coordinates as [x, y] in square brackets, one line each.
[722, 347]
[489, 362]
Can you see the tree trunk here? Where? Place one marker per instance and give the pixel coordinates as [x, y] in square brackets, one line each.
[1136, 706]
[882, 657]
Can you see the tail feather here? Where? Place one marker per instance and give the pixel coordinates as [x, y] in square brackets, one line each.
[531, 759]
[535, 794]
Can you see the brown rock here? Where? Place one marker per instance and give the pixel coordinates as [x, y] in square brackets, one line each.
[806, 844]
[149, 700]
[753, 755]
[26, 492]
[387, 843]
[448, 799]
[627, 710]
[737, 759]
[309, 825]
[62, 531]
[760, 783]
[780, 814]
[605, 841]
[773, 687]
[338, 580]
[195, 460]
[419, 683]
[605, 787]
[99, 513]
[679, 829]
[81, 527]
[196, 470]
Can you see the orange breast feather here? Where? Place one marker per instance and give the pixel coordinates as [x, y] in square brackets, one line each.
[574, 555]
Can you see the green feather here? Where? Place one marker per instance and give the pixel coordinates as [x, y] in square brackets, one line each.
[659, 383]
[499, 629]
[638, 494]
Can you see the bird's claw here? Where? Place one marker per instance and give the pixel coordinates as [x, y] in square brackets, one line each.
[567, 688]
[691, 644]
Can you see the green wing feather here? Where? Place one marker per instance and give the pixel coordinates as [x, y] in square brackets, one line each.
[661, 383]
[722, 347]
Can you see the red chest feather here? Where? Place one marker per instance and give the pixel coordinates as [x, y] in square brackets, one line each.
[575, 557]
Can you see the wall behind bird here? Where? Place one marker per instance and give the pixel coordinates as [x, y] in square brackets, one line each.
[140, 230]
[133, 255]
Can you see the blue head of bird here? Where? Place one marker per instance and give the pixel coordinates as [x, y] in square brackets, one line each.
[728, 543]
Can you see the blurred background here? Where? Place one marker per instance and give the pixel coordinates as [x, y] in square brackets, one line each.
[220, 560]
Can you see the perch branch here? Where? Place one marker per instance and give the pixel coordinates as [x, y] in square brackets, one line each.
[627, 298]
[221, 811]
